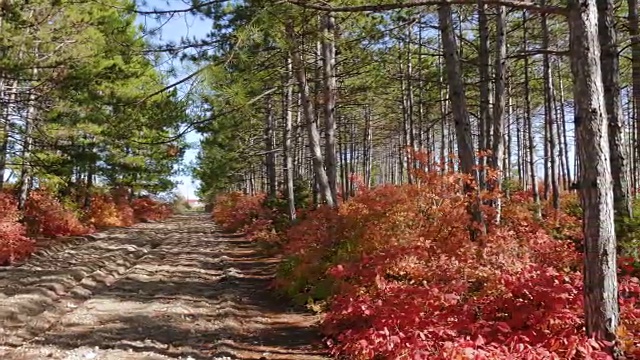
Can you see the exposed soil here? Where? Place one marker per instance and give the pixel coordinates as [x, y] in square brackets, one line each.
[171, 290]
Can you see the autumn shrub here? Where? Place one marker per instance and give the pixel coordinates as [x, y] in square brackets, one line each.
[235, 211]
[404, 280]
[50, 218]
[145, 209]
[109, 211]
[14, 245]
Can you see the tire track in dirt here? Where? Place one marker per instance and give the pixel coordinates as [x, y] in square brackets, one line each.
[156, 291]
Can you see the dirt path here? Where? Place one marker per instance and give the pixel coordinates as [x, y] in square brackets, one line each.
[173, 290]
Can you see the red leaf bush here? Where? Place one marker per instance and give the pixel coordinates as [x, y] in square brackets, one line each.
[403, 279]
[50, 218]
[14, 245]
[236, 211]
[107, 212]
[148, 209]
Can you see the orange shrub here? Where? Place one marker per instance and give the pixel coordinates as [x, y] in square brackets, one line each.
[14, 245]
[148, 209]
[404, 280]
[235, 211]
[105, 212]
[51, 218]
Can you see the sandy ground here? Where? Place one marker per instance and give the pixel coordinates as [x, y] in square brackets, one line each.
[171, 290]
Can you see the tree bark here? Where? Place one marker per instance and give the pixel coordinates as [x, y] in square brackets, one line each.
[611, 82]
[500, 100]
[634, 32]
[321, 178]
[286, 141]
[458, 100]
[330, 90]
[528, 119]
[600, 279]
[549, 114]
[270, 156]
[484, 120]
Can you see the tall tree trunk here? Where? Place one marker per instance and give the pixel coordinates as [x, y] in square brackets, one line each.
[270, 143]
[25, 171]
[484, 121]
[321, 178]
[368, 146]
[563, 120]
[634, 32]
[410, 123]
[6, 128]
[287, 113]
[600, 280]
[529, 121]
[549, 113]
[611, 82]
[330, 90]
[458, 100]
[500, 99]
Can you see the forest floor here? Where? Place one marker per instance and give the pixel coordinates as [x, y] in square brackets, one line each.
[171, 290]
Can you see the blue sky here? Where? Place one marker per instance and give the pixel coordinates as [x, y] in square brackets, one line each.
[172, 30]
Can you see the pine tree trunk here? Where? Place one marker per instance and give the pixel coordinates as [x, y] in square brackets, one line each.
[25, 170]
[500, 100]
[330, 91]
[549, 115]
[600, 280]
[634, 33]
[611, 82]
[529, 121]
[286, 141]
[458, 101]
[320, 176]
[270, 156]
[484, 121]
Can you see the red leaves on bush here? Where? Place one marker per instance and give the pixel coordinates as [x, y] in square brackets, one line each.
[14, 245]
[50, 218]
[147, 209]
[403, 279]
[235, 211]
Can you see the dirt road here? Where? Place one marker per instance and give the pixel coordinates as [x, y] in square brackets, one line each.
[172, 290]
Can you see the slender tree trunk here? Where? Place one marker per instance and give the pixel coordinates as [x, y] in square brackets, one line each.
[458, 100]
[563, 119]
[25, 171]
[287, 112]
[484, 121]
[500, 100]
[634, 33]
[368, 146]
[529, 121]
[6, 128]
[600, 280]
[321, 178]
[549, 114]
[270, 157]
[611, 82]
[330, 90]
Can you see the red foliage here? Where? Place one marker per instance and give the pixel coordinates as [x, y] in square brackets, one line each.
[409, 283]
[50, 218]
[148, 209]
[14, 245]
[236, 211]
[107, 212]
[403, 279]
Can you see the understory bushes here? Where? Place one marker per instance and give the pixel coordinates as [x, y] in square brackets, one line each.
[400, 279]
[46, 216]
[14, 244]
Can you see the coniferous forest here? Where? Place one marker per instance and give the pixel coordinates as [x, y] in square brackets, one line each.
[438, 179]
